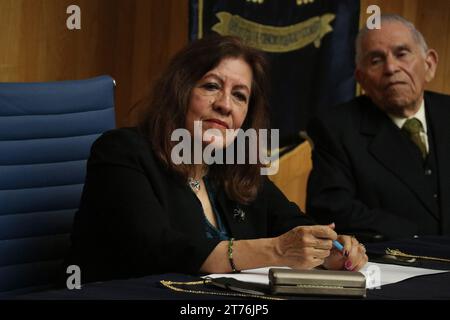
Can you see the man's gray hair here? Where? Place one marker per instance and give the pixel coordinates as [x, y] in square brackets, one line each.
[417, 36]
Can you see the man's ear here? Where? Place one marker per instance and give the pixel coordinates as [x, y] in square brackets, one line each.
[431, 61]
[359, 76]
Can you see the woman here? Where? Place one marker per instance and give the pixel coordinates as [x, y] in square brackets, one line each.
[141, 213]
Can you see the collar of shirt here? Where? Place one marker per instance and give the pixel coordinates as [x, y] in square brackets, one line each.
[420, 114]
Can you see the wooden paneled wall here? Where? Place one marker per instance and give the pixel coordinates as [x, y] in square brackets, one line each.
[131, 40]
[432, 19]
[293, 172]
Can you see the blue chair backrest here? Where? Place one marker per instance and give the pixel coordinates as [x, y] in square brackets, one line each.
[46, 132]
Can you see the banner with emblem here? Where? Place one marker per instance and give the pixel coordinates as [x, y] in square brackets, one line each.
[310, 45]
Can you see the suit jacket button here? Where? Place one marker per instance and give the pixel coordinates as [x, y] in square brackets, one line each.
[428, 172]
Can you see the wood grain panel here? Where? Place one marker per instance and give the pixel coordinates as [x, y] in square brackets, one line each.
[293, 173]
[131, 40]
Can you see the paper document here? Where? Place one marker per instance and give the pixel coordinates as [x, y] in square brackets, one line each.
[380, 274]
[377, 274]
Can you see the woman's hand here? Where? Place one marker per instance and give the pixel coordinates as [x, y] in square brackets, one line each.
[304, 247]
[353, 257]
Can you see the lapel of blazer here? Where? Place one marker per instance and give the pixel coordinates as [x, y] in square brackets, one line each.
[390, 148]
[439, 115]
[237, 221]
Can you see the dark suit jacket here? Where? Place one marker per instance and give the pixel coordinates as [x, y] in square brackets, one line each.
[136, 218]
[365, 177]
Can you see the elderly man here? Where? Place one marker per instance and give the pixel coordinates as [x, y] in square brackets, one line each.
[381, 163]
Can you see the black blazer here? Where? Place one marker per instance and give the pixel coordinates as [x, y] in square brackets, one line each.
[136, 218]
[365, 178]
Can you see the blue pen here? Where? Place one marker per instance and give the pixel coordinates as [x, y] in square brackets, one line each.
[338, 246]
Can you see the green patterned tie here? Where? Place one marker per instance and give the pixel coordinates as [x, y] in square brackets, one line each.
[413, 127]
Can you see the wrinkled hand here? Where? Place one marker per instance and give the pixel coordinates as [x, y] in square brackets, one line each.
[305, 247]
[353, 257]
